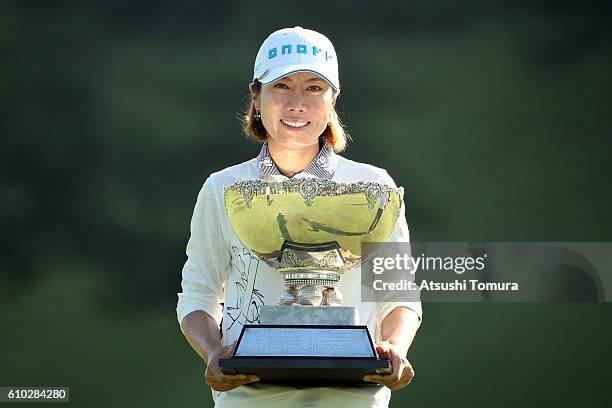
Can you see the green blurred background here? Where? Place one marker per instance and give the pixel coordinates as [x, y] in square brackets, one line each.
[494, 116]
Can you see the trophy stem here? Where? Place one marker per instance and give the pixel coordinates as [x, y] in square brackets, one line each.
[332, 296]
[289, 295]
[312, 288]
[310, 295]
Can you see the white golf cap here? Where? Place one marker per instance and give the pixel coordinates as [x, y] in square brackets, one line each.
[296, 49]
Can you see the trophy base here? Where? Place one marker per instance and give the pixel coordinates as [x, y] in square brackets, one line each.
[306, 354]
[298, 314]
[307, 370]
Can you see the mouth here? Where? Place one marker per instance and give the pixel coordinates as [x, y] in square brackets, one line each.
[295, 124]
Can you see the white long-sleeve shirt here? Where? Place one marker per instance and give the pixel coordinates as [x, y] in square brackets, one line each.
[220, 270]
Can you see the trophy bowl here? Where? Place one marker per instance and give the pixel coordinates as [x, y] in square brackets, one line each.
[311, 231]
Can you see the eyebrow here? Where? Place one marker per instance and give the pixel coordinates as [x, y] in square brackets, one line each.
[313, 79]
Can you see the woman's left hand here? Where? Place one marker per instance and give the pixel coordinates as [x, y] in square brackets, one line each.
[402, 372]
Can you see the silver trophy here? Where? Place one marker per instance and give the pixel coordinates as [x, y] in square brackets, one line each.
[311, 231]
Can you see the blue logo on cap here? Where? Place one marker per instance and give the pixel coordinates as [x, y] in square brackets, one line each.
[300, 49]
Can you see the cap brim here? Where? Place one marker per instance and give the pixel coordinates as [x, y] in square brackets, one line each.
[280, 72]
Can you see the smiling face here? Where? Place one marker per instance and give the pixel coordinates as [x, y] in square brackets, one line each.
[295, 110]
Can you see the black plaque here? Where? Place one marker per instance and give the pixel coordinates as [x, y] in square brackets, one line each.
[310, 354]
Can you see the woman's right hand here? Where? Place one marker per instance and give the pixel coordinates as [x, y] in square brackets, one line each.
[218, 381]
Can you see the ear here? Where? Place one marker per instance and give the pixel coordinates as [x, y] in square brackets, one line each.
[334, 97]
[254, 96]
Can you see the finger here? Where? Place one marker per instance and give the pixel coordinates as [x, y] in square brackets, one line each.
[235, 377]
[382, 354]
[398, 366]
[387, 380]
[380, 379]
[251, 379]
[233, 381]
[221, 386]
[408, 371]
[229, 350]
[383, 347]
[408, 375]
[399, 385]
[239, 378]
[396, 386]
[213, 374]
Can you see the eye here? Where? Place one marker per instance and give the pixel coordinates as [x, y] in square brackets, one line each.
[315, 88]
[281, 85]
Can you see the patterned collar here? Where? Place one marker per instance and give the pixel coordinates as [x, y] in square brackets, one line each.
[323, 165]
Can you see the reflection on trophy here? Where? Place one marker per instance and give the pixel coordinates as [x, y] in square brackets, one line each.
[311, 231]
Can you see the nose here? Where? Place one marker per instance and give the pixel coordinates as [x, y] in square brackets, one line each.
[295, 102]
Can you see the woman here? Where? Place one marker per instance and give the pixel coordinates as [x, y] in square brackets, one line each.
[293, 95]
